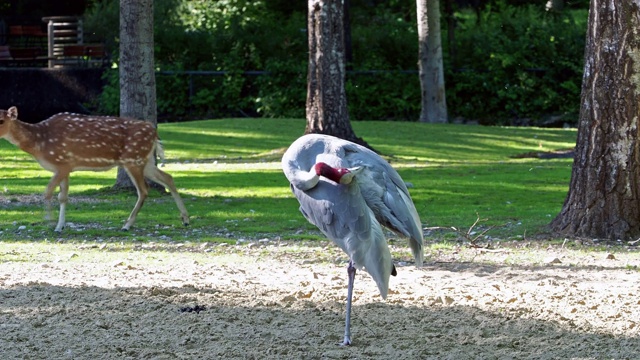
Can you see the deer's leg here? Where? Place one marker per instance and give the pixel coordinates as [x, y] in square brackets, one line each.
[57, 178]
[152, 172]
[63, 196]
[137, 178]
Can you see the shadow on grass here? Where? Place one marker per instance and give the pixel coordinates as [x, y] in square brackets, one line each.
[250, 203]
[448, 194]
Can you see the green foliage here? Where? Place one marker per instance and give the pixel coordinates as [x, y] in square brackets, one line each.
[384, 40]
[387, 43]
[174, 97]
[109, 100]
[283, 92]
[516, 63]
[389, 95]
[513, 62]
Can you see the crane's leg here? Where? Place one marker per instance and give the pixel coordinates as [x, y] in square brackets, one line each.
[351, 271]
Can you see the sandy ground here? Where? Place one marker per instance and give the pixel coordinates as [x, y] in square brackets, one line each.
[276, 300]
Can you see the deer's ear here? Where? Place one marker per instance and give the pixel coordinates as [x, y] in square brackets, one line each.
[13, 112]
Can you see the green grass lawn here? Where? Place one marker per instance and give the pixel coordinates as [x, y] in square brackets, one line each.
[228, 173]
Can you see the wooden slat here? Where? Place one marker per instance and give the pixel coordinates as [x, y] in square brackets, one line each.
[24, 53]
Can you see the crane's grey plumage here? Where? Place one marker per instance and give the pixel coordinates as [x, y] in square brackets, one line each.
[349, 193]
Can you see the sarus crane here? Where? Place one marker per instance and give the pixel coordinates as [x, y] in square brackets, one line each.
[349, 192]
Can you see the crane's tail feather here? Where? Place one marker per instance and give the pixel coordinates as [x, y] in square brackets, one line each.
[413, 229]
[416, 249]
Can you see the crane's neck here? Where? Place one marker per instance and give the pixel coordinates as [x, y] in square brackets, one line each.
[305, 180]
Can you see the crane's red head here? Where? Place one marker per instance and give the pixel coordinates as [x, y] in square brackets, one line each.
[331, 173]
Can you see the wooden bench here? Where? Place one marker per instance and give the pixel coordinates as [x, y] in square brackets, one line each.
[25, 53]
[84, 54]
[19, 56]
[27, 30]
[27, 36]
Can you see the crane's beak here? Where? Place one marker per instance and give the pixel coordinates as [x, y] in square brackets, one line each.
[347, 178]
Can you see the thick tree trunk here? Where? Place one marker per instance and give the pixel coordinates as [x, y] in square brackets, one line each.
[434, 104]
[603, 199]
[326, 95]
[137, 76]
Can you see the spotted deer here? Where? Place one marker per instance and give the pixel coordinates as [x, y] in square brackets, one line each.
[68, 142]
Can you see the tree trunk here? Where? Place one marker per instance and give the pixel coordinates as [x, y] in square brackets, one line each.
[431, 70]
[603, 199]
[137, 76]
[326, 95]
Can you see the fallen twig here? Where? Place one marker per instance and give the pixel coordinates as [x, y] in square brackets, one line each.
[467, 235]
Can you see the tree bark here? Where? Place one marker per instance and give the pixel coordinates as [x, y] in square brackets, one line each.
[603, 199]
[137, 76]
[326, 106]
[431, 70]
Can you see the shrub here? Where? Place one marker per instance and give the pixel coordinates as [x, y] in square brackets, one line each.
[282, 93]
[529, 65]
[511, 63]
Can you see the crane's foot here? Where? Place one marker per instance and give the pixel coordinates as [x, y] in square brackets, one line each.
[346, 341]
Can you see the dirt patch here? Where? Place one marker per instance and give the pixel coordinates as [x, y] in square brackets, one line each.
[286, 301]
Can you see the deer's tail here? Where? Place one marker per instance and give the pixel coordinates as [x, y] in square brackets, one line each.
[160, 152]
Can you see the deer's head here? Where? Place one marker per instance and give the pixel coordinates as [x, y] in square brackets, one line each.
[6, 116]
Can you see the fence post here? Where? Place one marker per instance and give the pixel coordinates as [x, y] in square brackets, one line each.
[50, 43]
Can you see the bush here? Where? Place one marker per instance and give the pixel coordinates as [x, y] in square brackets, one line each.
[528, 66]
[384, 84]
[283, 92]
[511, 63]
[389, 95]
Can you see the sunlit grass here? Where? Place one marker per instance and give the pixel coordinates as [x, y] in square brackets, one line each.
[228, 172]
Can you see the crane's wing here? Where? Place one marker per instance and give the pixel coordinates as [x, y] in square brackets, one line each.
[381, 187]
[340, 212]
[387, 195]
